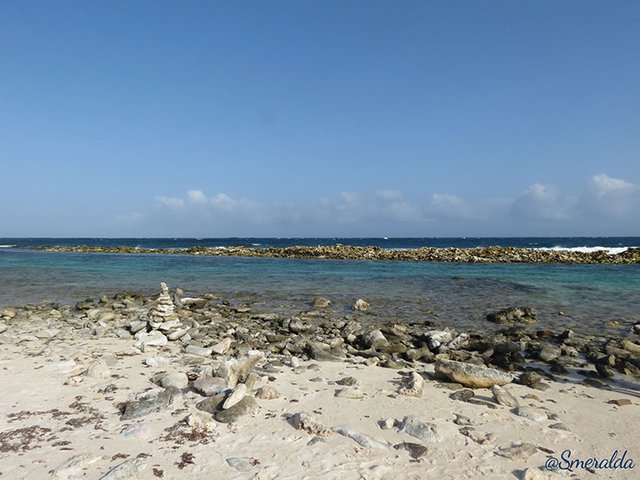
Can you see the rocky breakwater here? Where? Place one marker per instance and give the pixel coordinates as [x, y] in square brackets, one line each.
[347, 252]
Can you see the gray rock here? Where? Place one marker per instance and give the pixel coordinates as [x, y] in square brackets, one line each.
[416, 451]
[348, 382]
[127, 470]
[349, 392]
[321, 302]
[530, 378]
[200, 351]
[517, 451]
[244, 407]
[140, 408]
[374, 340]
[360, 438]
[462, 395]
[157, 361]
[211, 404]
[361, 305]
[201, 420]
[73, 466]
[549, 353]
[472, 376]
[222, 346]
[462, 420]
[153, 338]
[236, 370]
[436, 338]
[419, 429]
[531, 413]
[235, 397]
[513, 314]
[267, 393]
[503, 397]
[173, 379]
[304, 421]
[209, 386]
[242, 464]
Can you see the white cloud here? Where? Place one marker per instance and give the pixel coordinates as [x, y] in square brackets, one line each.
[171, 202]
[541, 202]
[607, 196]
[196, 196]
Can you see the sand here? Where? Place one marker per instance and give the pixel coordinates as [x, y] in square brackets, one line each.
[51, 410]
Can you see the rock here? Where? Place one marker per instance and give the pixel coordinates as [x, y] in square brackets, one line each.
[414, 386]
[512, 315]
[530, 378]
[321, 302]
[559, 426]
[194, 302]
[157, 361]
[549, 353]
[153, 338]
[200, 420]
[360, 438]
[177, 334]
[503, 397]
[631, 347]
[209, 386]
[178, 380]
[139, 408]
[532, 413]
[127, 470]
[200, 351]
[136, 326]
[211, 404]
[350, 392]
[416, 451]
[267, 393]
[236, 395]
[139, 431]
[7, 313]
[374, 340]
[517, 451]
[436, 338]
[462, 395]
[361, 305]
[236, 370]
[462, 420]
[419, 429]
[348, 382]
[222, 347]
[3, 327]
[98, 371]
[242, 464]
[73, 466]
[304, 421]
[320, 352]
[472, 376]
[621, 402]
[387, 423]
[244, 407]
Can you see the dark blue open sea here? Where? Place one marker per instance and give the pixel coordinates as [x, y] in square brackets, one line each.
[588, 298]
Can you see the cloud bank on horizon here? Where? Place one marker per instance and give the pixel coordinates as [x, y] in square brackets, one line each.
[541, 210]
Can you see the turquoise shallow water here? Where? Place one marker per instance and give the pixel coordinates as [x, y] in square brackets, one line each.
[453, 294]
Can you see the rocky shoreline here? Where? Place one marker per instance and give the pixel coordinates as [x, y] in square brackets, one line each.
[347, 252]
[218, 365]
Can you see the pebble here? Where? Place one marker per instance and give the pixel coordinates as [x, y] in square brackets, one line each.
[462, 395]
[348, 381]
[157, 361]
[351, 392]
[517, 451]
[308, 423]
[200, 420]
[503, 397]
[416, 451]
[531, 413]
[267, 393]
[387, 423]
[242, 464]
[419, 429]
[620, 402]
[360, 438]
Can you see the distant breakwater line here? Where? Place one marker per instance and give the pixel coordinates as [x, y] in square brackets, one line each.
[347, 252]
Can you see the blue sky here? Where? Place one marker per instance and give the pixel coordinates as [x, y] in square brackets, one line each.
[319, 118]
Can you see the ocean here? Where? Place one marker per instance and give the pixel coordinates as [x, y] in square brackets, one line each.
[593, 299]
